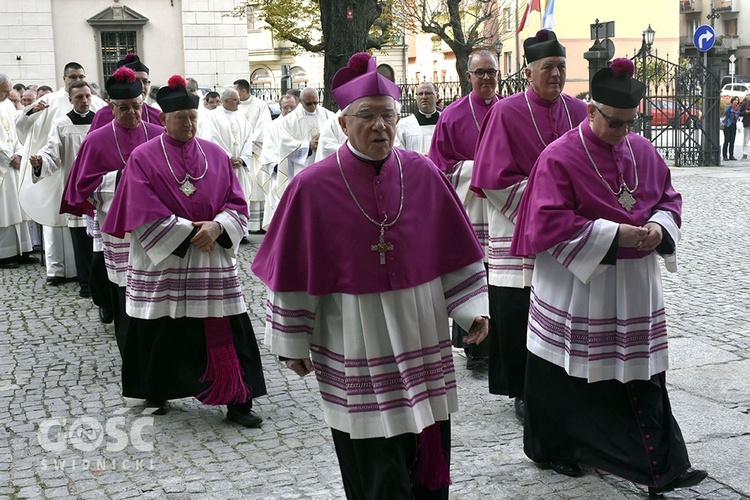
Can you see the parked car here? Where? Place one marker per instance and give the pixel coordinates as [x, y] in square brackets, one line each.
[275, 109]
[731, 90]
[663, 114]
[735, 79]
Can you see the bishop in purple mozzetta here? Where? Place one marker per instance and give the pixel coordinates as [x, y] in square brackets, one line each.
[598, 212]
[515, 132]
[189, 333]
[368, 255]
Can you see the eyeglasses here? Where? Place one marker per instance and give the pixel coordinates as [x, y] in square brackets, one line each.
[235, 99]
[370, 117]
[615, 124]
[125, 109]
[288, 108]
[309, 103]
[420, 94]
[144, 82]
[481, 73]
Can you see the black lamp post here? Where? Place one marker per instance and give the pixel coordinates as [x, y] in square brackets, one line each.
[648, 41]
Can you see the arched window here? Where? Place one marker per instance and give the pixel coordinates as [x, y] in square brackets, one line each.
[387, 72]
[261, 76]
[299, 77]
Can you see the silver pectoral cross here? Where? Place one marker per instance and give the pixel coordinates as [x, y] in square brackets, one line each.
[382, 247]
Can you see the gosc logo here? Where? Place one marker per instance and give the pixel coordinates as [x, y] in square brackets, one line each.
[88, 434]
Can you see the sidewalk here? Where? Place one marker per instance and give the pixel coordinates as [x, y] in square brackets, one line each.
[66, 432]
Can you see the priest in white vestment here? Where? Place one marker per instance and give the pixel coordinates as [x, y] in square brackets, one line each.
[14, 233]
[414, 132]
[276, 169]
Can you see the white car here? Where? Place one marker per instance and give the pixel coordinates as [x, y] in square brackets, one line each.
[731, 90]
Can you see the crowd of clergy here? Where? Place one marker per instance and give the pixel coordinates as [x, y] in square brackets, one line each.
[534, 224]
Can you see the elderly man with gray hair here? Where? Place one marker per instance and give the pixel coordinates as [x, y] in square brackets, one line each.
[232, 131]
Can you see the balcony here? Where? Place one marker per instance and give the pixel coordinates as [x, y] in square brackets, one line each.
[724, 6]
[688, 5]
[730, 42]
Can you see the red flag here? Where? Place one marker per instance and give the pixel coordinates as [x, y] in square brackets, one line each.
[531, 6]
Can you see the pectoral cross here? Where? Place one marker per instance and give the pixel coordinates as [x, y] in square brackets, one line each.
[382, 247]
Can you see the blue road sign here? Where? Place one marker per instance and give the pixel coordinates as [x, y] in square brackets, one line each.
[704, 37]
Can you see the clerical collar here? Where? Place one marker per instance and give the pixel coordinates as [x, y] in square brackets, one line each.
[308, 113]
[79, 119]
[367, 159]
[424, 119]
[228, 111]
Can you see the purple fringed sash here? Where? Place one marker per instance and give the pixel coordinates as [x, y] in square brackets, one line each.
[223, 366]
[431, 469]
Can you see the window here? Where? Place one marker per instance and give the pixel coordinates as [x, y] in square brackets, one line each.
[115, 46]
[730, 27]
[437, 44]
[508, 19]
[252, 16]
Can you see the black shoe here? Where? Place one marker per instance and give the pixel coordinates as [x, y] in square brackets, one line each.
[8, 263]
[55, 280]
[244, 241]
[476, 364]
[566, 468]
[245, 418]
[689, 478]
[27, 259]
[84, 292]
[732, 158]
[520, 407]
[105, 315]
[159, 407]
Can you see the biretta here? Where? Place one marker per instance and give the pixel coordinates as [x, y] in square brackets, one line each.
[174, 96]
[133, 62]
[616, 87]
[543, 44]
[123, 85]
[360, 78]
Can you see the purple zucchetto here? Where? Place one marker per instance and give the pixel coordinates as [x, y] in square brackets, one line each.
[616, 87]
[360, 78]
[543, 44]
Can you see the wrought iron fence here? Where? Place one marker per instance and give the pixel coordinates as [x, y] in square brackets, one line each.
[448, 91]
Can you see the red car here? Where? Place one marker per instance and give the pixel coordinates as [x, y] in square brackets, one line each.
[662, 111]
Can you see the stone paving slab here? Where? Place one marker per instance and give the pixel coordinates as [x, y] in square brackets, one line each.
[58, 361]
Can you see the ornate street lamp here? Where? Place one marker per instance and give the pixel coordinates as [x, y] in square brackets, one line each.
[648, 41]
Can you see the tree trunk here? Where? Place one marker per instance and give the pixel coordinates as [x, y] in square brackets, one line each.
[343, 36]
[462, 66]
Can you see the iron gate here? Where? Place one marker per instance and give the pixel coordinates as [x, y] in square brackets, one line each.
[680, 109]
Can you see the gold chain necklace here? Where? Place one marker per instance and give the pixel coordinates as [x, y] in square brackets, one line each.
[624, 194]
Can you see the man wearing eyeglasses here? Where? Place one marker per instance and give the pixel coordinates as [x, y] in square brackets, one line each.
[452, 149]
[300, 131]
[277, 169]
[149, 114]
[415, 131]
[598, 211]
[515, 132]
[91, 186]
[41, 200]
[361, 285]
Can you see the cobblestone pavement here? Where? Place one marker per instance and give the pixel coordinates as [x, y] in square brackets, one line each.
[65, 430]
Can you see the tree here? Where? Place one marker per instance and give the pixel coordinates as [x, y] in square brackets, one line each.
[337, 28]
[463, 26]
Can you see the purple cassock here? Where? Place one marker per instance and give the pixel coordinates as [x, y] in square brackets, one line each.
[152, 188]
[457, 131]
[516, 131]
[565, 192]
[320, 243]
[149, 114]
[104, 150]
